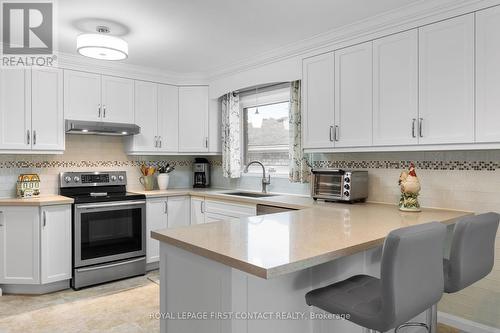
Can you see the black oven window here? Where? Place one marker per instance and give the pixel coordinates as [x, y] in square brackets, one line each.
[110, 232]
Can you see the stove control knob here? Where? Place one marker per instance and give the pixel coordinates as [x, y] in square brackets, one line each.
[76, 179]
[347, 187]
[113, 178]
[347, 180]
[121, 178]
[346, 193]
[67, 179]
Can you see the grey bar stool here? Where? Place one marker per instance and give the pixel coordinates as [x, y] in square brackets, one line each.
[471, 255]
[411, 281]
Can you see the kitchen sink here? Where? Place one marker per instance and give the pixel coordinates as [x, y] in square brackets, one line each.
[250, 194]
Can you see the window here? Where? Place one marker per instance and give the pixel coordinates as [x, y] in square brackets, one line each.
[266, 131]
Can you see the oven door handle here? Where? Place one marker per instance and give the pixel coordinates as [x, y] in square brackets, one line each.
[113, 204]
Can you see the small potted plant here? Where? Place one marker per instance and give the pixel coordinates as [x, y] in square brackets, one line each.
[164, 176]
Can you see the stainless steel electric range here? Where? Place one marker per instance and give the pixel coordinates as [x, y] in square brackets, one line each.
[109, 227]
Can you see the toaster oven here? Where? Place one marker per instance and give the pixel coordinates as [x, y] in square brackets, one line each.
[339, 185]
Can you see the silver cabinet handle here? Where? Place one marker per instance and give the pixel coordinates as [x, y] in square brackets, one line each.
[202, 207]
[28, 137]
[104, 111]
[166, 207]
[420, 127]
[331, 134]
[1, 223]
[336, 133]
[44, 219]
[156, 142]
[413, 134]
[99, 110]
[34, 138]
[160, 141]
[206, 142]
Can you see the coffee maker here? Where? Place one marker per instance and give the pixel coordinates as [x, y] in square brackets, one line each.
[201, 169]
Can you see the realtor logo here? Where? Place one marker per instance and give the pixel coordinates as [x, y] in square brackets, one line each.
[27, 29]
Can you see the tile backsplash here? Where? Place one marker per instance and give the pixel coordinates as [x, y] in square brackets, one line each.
[87, 152]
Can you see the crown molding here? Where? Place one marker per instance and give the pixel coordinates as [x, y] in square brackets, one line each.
[78, 62]
[411, 16]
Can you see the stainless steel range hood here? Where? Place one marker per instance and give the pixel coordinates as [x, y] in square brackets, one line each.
[100, 128]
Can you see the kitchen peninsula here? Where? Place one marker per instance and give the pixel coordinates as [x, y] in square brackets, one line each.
[266, 264]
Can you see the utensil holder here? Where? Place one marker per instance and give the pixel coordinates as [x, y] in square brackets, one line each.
[163, 179]
[148, 182]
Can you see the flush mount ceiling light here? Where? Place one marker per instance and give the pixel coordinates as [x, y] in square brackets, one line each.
[101, 45]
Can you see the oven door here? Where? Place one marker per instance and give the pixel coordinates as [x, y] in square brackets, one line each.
[328, 185]
[109, 231]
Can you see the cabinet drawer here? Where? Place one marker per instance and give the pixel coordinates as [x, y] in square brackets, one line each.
[229, 209]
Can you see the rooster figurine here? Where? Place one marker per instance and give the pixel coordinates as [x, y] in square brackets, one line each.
[410, 189]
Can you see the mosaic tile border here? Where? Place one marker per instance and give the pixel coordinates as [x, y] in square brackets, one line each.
[94, 164]
[422, 165]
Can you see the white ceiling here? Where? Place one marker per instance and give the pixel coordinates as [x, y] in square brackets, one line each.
[197, 36]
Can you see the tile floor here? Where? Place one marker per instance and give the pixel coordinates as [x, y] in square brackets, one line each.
[120, 307]
[124, 306]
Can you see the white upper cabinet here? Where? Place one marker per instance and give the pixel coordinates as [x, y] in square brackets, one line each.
[15, 109]
[395, 89]
[488, 75]
[353, 96]
[318, 103]
[94, 97]
[146, 116]
[82, 96]
[47, 109]
[193, 119]
[55, 243]
[117, 100]
[20, 245]
[168, 118]
[446, 81]
[31, 109]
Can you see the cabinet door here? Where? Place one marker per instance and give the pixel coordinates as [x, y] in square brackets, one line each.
[395, 89]
[446, 79]
[168, 118]
[117, 100]
[19, 245]
[179, 211]
[56, 243]
[156, 218]
[193, 119]
[15, 109]
[47, 109]
[488, 75]
[146, 116]
[82, 96]
[353, 96]
[318, 101]
[197, 210]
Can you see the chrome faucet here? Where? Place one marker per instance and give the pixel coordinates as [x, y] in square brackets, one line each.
[265, 180]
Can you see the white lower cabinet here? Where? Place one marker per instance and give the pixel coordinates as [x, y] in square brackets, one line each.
[20, 245]
[162, 213]
[55, 243]
[197, 210]
[35, 244]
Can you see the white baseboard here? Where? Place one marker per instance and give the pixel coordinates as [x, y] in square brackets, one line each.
[464, 324]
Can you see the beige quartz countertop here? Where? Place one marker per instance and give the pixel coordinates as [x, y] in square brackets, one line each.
[272, 245]
[43, 200]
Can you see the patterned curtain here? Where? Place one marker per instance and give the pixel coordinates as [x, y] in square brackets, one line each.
[300, 171]
[231, 136]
